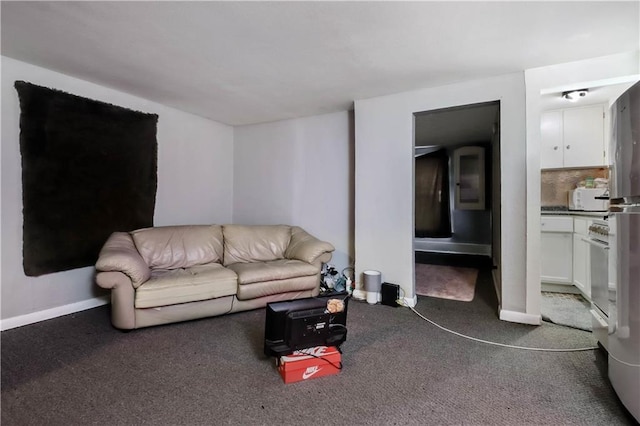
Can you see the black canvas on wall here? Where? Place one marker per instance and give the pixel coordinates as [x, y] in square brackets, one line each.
[88, 169]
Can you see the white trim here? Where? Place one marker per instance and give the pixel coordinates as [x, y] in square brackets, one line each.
[439, 246]
[520, 317]
[359, 294]
[362, 296]
[19, 321]
[410, 302]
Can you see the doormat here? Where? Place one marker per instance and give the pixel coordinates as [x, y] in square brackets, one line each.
[570, 310]
[446, 282]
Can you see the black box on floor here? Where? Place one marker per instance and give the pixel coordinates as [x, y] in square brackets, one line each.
[390, 294]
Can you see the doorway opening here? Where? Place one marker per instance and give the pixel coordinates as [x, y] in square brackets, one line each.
[457, 193]
[574, 145]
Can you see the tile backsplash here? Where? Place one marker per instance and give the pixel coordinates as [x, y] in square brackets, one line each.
[556, 184]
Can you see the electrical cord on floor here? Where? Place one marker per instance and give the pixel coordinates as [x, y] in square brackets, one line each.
[311, 354]
[401, 303]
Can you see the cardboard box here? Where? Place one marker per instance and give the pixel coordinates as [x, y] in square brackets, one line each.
[310, 363]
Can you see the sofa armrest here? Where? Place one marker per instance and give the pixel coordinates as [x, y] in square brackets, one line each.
[123, 314]
[119, 254]
[304, 246]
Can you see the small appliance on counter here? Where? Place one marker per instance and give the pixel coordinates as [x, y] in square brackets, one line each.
[589, 199]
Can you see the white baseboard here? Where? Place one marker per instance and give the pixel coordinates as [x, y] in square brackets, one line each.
[436, 245]
[559, 288]
[410, 301]
[19, 321]
[359, 294]
[362, 295]
[520, 317]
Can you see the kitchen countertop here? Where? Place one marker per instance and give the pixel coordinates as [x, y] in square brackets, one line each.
[563, 210]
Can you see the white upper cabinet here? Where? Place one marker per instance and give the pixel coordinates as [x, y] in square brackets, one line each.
[551, 153]
[573, 137]
[584, 136]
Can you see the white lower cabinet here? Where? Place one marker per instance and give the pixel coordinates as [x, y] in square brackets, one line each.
[581, 254]
[556, 244]
[565, 255]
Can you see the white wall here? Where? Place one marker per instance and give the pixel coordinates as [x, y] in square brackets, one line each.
[298, 172]
[384, 179]
[195, 175]
[557, 78]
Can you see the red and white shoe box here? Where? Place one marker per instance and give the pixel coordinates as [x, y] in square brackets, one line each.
[310, 363]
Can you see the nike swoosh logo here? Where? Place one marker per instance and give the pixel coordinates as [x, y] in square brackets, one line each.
[310, 372]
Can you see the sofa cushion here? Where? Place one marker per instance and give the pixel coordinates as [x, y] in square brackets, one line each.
[269, 288]
[273, 270]
[171, 247]
[257, 243]
[201, 282]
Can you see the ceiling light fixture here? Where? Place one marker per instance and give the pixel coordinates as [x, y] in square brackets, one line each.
[574, 95]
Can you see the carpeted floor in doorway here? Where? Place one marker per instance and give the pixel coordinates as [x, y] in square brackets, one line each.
[446, 282]
[570, 310]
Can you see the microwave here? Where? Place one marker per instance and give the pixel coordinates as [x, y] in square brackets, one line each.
[588, 199]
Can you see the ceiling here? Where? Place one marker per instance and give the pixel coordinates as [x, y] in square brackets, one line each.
[250, 62]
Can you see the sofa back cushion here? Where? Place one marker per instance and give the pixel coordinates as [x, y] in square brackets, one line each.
[257, 243]
[172, 247]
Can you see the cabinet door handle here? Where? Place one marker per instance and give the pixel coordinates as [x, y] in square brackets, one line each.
[555, 148]
[568, 146]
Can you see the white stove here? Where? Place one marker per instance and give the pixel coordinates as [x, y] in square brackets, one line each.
[599, 231]
[600, 234]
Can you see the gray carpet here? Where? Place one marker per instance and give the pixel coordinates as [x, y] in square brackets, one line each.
[398, 370]
[568, 310]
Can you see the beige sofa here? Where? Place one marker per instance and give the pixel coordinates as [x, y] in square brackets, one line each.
[175, 273]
